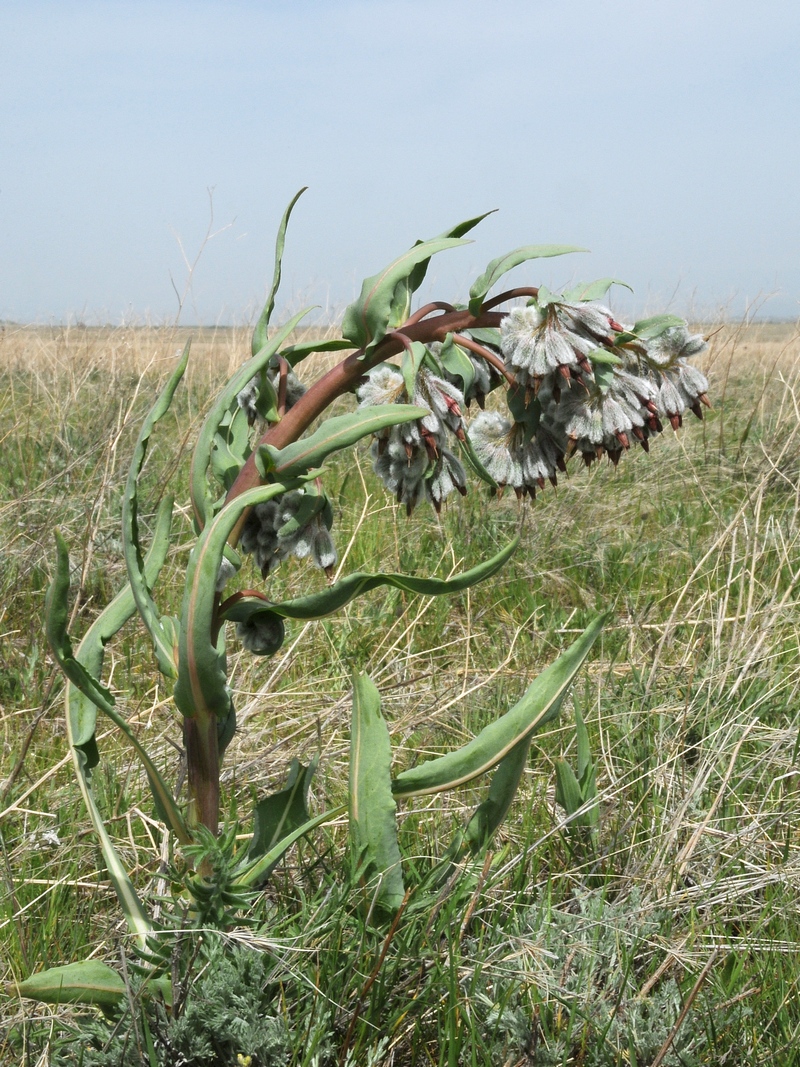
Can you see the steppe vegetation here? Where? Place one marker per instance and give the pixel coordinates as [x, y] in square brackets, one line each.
[669, 935]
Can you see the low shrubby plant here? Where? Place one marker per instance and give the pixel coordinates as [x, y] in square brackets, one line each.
[566, 378]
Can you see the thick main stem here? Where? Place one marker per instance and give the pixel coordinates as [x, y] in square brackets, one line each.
[202, 764]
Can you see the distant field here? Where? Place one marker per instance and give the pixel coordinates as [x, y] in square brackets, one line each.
[691, 699]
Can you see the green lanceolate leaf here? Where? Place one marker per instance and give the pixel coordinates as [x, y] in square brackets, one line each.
[318, 605]
[405, 289]
[88, 982]
[455, 361]
[203, 500]
[81, 710]
[231, 447]
[472, 460]
[568, 790]
[280, 814]
[574, 792]
[295, 354]
[498, 267]
[341, 431]
[255, 873]
[372, 824]
[262, 326]
[648, 329]
[584, 291]
[539, 705]
[161, 633]
[491, 813]
[368, 319]
[56, 616]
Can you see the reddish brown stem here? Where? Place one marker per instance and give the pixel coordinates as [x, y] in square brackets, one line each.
[427, 309]
[282, 379]
[509, 294]
[202, 764]
[485, 353]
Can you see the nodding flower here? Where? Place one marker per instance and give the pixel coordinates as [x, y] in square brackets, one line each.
[413, 459]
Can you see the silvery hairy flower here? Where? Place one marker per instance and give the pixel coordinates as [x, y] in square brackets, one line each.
[412, 459]
[510, 459]
[247, 398]
[538, 341]
[273, 532]
[673, 346]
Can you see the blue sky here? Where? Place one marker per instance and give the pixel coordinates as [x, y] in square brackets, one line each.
[662, 136]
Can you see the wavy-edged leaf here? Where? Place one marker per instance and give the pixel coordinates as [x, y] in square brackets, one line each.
[334, 597]
[585, 291]
[203, 500]
[372, 824]
[262, 326]
[160, 634]
[280, 814]
[455, 360]
[405, 289]
[341, 431]
[368, 319]
[56, 616]
[500, 266]
[81, 710]
[539, 705]
[295, 354]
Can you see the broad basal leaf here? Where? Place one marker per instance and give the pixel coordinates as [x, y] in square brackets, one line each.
[373, 828]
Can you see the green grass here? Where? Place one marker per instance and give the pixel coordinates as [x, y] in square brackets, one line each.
[676, 930]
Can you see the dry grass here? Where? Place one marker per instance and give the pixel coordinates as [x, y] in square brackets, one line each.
[691, 700]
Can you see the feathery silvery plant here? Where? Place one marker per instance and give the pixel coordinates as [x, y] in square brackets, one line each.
[569, 378]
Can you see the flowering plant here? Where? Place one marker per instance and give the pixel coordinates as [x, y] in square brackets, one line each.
[570, 379]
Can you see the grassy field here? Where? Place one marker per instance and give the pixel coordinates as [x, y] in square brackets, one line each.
[671, 937]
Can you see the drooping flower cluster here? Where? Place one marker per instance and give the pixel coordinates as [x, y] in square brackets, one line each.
[413, 459]
[591, 386]
[294, 524]
[581, 382]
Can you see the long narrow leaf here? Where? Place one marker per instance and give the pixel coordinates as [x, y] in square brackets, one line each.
[539, 705]
[202, 686]
[261, 327]
[491, 813]
[202, 498]
[373, 825]
[161, 631]
[367, 320]
[81, 709]
[335, 433]
[498, 267]
[318, 605]
[56, 616]
[256, 872]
